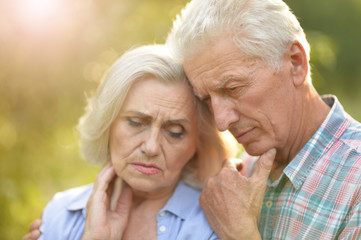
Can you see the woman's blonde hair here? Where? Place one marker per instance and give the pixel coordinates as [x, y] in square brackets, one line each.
[104, 106]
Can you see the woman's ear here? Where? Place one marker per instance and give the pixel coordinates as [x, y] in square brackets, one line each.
[299, 63]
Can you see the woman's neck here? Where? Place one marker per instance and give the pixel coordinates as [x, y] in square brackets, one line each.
[142, 222]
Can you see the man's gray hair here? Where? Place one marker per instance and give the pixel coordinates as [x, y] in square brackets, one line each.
[260, 28]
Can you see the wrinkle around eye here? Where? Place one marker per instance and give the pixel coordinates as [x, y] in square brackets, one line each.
[176, 131]
[134, 122]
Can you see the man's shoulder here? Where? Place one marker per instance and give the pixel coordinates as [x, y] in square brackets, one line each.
[352, 135]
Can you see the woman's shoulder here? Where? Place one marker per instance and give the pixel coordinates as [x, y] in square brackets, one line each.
[64, 215]
[74, 197]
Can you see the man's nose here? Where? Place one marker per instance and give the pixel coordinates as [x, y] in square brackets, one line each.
[224, 113]
[151, 145]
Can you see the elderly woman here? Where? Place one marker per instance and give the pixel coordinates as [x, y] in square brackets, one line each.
[158, 143]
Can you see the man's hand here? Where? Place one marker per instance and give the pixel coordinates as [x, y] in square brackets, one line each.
[104, 221]
[34, 232]
[232, 202]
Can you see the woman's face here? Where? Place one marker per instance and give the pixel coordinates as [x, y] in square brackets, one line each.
[154, 135]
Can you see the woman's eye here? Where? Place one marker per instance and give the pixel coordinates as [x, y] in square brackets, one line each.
[176, 131]
[176, 134]
[134, 122]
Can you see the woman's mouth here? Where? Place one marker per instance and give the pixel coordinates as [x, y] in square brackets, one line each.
[146, 168]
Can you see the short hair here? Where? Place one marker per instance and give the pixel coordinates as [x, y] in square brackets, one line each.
[260, 28]
[104, 106]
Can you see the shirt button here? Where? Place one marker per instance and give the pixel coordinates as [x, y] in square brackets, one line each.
[162, 214]
[269, 204]
[162, 228]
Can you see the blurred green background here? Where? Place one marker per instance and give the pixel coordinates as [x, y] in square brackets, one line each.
[52, 52]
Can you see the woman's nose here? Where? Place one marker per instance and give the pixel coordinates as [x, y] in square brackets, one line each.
[151, 145]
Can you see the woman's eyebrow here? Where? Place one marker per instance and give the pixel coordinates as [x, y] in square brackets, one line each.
[172, 121]
[140, 114]
[177, 121]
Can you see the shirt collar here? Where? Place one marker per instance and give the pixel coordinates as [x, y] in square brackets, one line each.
[182, 201]
[81, 199]
[330, 130]
[181, 195]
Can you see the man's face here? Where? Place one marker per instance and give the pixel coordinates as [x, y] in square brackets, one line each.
[253, 101]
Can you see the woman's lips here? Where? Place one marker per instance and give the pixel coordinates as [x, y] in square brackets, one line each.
[146, 168]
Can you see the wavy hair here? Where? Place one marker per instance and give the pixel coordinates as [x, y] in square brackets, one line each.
[104, 106]
[260, 28]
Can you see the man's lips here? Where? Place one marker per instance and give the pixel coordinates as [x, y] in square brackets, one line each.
[146, 168]
[242, 136]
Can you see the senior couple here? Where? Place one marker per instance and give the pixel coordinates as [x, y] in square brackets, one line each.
[247, 63]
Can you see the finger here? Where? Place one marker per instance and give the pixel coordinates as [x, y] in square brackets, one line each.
[264, 166]
[106, 167]
[229, 163]
[238, 163]
[125, 201]
[33, 235]
[117, 190]
[104, 177]
[35, 225]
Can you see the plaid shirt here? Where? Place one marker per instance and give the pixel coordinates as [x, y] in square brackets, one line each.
[318, 196]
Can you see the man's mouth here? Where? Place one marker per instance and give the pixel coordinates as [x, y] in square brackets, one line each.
[242, 136]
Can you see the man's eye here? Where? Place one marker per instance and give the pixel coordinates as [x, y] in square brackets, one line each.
[134, 122]
[206, 99]
[230, 90]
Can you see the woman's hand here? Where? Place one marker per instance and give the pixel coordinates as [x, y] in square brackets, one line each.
[102, 221]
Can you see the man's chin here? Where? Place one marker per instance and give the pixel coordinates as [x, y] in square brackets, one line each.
[255, 149]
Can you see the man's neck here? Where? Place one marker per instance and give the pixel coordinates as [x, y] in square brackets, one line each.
[312, 112]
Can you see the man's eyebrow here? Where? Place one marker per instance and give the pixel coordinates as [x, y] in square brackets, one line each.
[199, 95]
[225, 81]
[219, 86]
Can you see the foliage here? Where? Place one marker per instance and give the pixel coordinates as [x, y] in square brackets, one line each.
[48, 59]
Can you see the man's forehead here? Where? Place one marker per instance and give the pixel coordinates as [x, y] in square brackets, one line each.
[213, 85]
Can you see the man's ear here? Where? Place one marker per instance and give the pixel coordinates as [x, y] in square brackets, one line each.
[299, 63]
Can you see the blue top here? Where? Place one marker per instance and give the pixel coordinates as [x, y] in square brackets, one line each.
[181, 217]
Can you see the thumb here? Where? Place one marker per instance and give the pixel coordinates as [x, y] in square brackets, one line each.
[264, 166]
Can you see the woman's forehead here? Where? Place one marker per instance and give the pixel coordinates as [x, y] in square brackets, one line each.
[154, 97]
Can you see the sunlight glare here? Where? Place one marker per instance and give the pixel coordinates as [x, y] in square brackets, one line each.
[39, 14]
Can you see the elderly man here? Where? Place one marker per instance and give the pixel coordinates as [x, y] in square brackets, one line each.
[249, 60]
